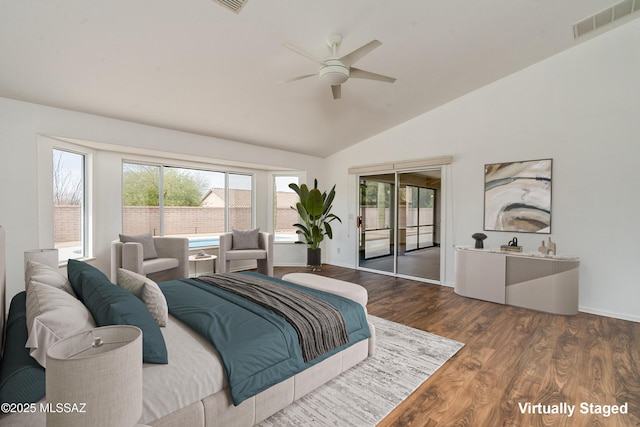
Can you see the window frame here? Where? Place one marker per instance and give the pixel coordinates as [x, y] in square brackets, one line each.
[198, 167]
[86, 216]
[300, 175]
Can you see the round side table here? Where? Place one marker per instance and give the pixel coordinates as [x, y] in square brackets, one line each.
[196, 259]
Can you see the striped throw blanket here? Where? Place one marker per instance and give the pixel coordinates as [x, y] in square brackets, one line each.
[319, 325]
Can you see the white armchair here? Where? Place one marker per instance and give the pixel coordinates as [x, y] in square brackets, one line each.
[171, 262]
[262, 253]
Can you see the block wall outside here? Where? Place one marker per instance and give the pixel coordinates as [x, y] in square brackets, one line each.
[177, 220]
[67, 220]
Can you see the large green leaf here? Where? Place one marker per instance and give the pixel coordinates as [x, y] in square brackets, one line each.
[331, 217]
[302, 211]
[304, 193]
[314, 204]
[295, 188]
[328, 230]
[302, 229]
[328, 200]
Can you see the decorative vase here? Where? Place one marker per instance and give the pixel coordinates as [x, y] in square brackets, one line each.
[314, 258]
[479, 237]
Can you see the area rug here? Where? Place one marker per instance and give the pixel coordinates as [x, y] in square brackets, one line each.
[362, 396]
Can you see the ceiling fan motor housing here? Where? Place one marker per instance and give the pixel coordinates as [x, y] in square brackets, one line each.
[334, 72]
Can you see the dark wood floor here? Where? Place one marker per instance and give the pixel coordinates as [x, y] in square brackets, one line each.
[511, 357]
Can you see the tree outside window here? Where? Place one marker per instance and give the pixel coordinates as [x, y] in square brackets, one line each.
[194, 202]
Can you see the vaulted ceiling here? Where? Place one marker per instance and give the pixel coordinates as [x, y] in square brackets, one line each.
[195, 66]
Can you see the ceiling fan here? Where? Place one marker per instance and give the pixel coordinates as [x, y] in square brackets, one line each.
[334, 71]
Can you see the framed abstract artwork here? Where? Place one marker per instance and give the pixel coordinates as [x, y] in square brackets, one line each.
[517, 196]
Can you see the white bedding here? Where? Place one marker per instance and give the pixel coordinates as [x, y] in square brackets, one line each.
[194, 372]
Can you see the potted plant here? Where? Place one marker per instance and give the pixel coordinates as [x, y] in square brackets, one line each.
[314, 209]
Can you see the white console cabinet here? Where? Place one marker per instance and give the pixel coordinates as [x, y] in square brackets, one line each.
[529, 280]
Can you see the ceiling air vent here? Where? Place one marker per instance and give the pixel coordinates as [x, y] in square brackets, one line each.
[236, 5]
[607, 16]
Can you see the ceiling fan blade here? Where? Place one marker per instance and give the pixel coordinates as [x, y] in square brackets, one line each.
[337, 91]
[351, 58]
[303, 53]
[357, 73]
[293, 79]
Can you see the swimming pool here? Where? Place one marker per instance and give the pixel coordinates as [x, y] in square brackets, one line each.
[203, 242]
[213, 241]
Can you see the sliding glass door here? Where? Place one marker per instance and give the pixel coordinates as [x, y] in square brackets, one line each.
[399, 223]
[376, 222]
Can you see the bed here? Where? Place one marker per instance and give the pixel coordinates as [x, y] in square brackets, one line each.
[192, 389]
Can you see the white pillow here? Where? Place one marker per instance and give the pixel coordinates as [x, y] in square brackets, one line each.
[46, 275]
[148, 291]
[52, 314]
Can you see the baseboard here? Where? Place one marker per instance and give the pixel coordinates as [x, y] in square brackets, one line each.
[291, 264]
[605, 313]
[339, 264]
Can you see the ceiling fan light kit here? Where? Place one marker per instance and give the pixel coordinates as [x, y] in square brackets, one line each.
[335, 71]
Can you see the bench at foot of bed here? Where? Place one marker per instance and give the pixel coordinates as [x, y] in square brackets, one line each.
[338, 287]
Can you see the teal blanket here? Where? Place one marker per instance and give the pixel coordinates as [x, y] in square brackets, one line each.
[258, 347]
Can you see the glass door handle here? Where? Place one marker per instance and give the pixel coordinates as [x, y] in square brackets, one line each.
[359, 221]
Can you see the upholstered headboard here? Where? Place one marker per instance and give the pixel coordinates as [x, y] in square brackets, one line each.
[3, 285]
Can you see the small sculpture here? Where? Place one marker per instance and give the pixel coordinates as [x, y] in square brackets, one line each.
[511, 246]
[543, 249]
[479, 237]
[548, 250]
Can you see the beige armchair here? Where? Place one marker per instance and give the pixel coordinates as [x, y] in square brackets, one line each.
[263, 253]
[171, 262]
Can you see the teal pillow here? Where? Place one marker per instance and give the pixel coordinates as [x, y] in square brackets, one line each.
[80, 273]
[22, 379]
[112, 305]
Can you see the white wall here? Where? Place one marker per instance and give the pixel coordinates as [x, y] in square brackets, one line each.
[25, 174]
[579, 108]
